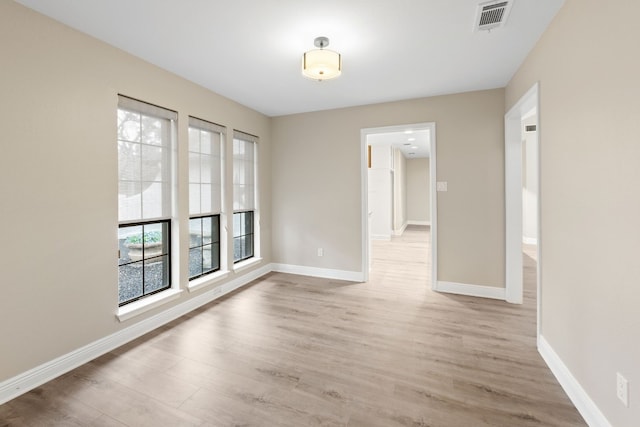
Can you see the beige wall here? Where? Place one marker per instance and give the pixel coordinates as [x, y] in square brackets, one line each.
[58, 181]
[418, 190]
[317, 188]
[589, 78]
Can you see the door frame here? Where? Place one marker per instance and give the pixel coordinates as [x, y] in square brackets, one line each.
[364, 179]
[513, 196]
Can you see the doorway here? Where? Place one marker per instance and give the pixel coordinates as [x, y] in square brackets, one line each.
[385, 141]
[522, 211]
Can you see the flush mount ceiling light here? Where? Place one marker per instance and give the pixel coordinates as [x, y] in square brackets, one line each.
[321, 64]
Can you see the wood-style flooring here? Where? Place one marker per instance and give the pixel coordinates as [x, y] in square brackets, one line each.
[299, 351]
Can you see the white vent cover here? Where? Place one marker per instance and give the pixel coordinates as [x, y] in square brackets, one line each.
[492, 14]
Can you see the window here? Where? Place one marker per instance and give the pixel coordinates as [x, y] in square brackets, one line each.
[242, 235]
[145, 144]
[205, 196]
[144, 261]
[244, 196]
[204, 245]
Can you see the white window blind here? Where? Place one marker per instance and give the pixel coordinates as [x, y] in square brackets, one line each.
[144, 160]
[244, 193]
[205, 167]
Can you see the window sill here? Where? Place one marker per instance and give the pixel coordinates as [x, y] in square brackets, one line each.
[207, 280]
[243, 265]
[134, 309]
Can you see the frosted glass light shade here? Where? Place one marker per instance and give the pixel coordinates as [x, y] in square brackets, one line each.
[321, 64]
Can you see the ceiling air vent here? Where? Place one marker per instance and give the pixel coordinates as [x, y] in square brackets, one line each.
[492, 14]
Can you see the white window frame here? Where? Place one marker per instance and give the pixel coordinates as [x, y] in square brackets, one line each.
[217, 275]
[148, 302]
[256, 258]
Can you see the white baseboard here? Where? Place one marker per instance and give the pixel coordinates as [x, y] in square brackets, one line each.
[419, 223]
[581, 400]
[22, 383]
[401, 230]
[471, 290]
[529, 240]
[352, 276]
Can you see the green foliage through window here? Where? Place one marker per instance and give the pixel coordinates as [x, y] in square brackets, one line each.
[149, 237]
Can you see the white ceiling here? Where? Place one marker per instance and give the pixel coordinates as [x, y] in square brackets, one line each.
[412, 143]
[250, 50]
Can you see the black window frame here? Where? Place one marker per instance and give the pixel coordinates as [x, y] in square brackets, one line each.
[166, 271]
[244, 235]
[202, 245]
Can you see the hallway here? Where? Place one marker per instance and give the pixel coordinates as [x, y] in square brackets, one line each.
[403, 262]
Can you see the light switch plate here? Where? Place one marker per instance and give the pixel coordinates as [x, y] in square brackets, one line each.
[441, 186]
[622, 389]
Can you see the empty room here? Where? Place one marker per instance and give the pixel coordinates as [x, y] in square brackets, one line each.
[342, 213]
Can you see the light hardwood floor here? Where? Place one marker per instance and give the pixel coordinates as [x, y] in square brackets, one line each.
[298, 351]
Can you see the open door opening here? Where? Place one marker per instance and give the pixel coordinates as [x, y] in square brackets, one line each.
[393, 157]
[522, 184]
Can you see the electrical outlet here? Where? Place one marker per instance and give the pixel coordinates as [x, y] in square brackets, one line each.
[441, 186]
[320, 252]
[622, 389]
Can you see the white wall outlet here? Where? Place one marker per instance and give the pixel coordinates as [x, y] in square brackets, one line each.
[441, 186]
[622, 389]
[320, 252]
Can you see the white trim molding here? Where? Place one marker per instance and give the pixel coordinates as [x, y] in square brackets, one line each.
[247, 263]
[526, 106]
[530, 240]
[364, 194]
[400, 230]
[208, 280]
[22, 383]
[410, 222]
[351, 276]
[579, 397]
[139, 307]
[471, 290]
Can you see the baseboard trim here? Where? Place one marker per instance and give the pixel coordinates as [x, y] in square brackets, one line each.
[419, 223]
[471, 290]
[351, 276]
[529, 240]
[401, 230]
[579, 397]
[26, 381]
